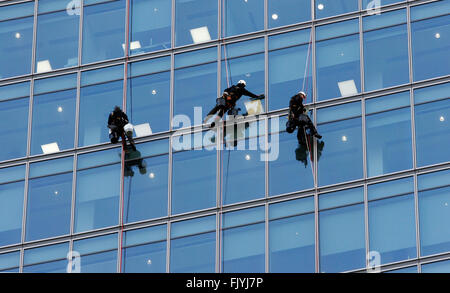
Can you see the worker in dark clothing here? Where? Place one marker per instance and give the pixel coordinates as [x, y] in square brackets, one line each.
[228, 100]
[298, 117]
[117, 120]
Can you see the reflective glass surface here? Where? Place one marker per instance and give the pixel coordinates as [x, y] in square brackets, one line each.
[104, 31]
[150, 25]
[285, 12]
[327, 8]
[195, 21]
[11, 209]
[242, 16]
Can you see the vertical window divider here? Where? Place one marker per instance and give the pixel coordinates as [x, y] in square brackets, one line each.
[316, 231]
[266, 246]
[80, 34]
[74, 189]
[24, 214]
[33, 46]
[169, 227]
[416, 211]
[366, 224]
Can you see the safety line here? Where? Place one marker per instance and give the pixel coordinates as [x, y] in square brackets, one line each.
[122, 191]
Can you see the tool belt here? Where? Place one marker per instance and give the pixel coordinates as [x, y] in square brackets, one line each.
[227, 100]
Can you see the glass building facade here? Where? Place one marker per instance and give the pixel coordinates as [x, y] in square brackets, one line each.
[375, 188]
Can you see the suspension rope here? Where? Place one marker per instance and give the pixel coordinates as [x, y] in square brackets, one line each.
[122, 188]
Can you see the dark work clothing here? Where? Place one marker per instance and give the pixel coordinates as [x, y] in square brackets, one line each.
[228, 101]
[116, 122]
[298, 118]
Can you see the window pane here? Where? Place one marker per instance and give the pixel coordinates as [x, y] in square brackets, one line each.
[103, 31]
[96, 103]
[97, 199]
[145, 250]
[292, 170]
[338, 67]
[389, 153]
[150, 25]
[57, 41]
[49, 267]
[146, 188]
[11, 209]
[194, 180]
[243, 16]
[326, 8]
[195, 251]
[291, 245]
[432, 128]
[343, 148]
[46, 259]
[433, 211]
[149, 101]
[430, 47]
[386, 57]
[243, 249]
[286, 70]
[186, 96]
[14, 128]
[394, 242]
[408, 270]
[437, 267]
[9, 260]
[53, 121]
[284, 12]
[49, 206]
[195, 22]
[341, 234]
[98, 255]
[147, 258]
[16, 39]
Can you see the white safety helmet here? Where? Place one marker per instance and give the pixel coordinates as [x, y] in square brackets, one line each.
[128, 129]
[302, 93]
[242, 82]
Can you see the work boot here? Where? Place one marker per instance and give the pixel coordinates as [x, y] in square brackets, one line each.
[317, 135]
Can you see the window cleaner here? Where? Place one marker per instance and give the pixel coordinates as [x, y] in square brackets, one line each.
[228, 101]
[119, 126]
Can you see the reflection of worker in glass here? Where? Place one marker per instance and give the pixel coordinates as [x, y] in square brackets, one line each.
[120, 126]
[228, 101]
[301, 153]
[298, 117]
[133, 158]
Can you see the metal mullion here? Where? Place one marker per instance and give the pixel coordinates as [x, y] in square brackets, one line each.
[30, 118]
[172, 24]
[217, 254]
[361, 55]
[80, 33]
[409, 32]
[169, 226]
[417, 216]
[267, 235]
[366, 225]
[266, 15]
[72, 209]
[34, 44]
[24, 213]
[316, 232]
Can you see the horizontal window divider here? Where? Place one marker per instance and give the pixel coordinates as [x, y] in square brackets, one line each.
[11, 182]
[50, 175]
[385, 27]
[339, 120]
[388, 110]
[337, 37]
[429, 17]
[55, 91]
[17, 18]
[195, 65]
[288, 47]
[341, 206]
[193, 234]
[142, 244]
[433, 188]
[290, 216]
[243, 225]
[429, 102]
[392, 196]
[146, 74]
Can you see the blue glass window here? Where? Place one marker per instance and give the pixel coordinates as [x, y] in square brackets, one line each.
[98, 255]
[437, 267]
[285, 12]
[97, 196]
[11, 210]
[434, 204]
[432, 116]
[14, 107]
[103, 31]
[149, 94]
[430, 41]
[292, 236]
[338, 60]
[237, 64]
[387, 153]
[57, 36]
[243, 237]
[9, 262]
[53, 115]
[193, 246]
[146, 181]
[49, 199]
[327, 8]
[343, 143]
[145, 250]
[408, 270]
[46, 259]
[392, 202]
[288, 61]
[193, 179]
[291, 171]
[195, 21]
[385, 50]
[341, 231]
[150, 25]
[189, 76]
[242, 17]
[101, 90]
[16, 39]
